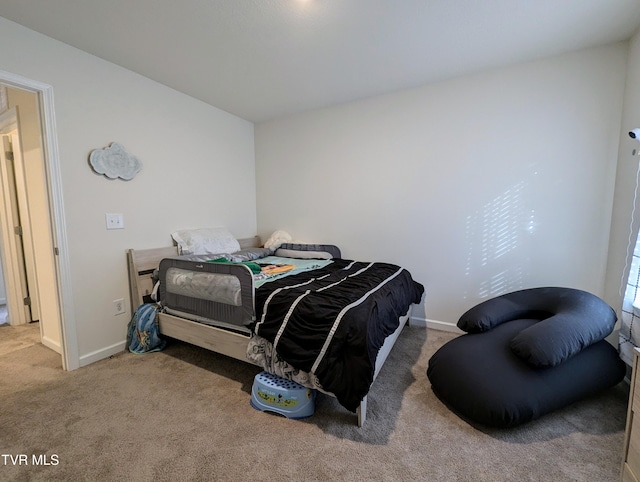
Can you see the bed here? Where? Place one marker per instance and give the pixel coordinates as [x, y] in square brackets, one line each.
[289, 324]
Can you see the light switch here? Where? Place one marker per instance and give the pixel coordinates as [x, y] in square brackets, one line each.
[115, 221]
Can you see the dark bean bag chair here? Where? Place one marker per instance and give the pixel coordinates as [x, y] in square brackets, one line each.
[525, 354]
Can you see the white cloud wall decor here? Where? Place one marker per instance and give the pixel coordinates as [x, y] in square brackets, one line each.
[115, 162]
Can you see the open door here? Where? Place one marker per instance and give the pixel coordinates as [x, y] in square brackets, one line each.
[18, 299]
[24, 231]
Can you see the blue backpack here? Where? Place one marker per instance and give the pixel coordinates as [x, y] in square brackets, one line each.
[143, 334]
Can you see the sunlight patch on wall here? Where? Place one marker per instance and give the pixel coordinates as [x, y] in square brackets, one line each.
[497, 235]
[500, 283]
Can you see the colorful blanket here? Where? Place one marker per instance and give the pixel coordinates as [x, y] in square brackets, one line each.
[143, 334]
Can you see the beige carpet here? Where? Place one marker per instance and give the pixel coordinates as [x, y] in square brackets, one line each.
[184, 414]
[17, 337]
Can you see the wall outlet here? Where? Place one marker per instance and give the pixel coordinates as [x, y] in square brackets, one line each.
[118, 306]
[114, 221]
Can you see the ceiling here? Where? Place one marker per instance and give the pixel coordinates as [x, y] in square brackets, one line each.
[263, 59]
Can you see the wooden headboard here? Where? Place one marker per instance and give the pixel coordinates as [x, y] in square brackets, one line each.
[142, 262]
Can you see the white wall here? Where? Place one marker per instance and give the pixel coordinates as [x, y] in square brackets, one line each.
[198, 170]
[478, 185]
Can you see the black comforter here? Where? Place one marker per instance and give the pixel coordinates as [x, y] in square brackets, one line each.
[332, 321]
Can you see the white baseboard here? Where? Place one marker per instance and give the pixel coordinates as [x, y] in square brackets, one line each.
[98, 355]
[443, 326]
[435, 325]
[415, 321]
[49, 343]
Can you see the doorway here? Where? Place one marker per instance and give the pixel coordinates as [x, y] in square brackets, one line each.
[40, 187]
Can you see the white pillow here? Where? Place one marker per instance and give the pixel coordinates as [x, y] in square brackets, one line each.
[206, 241]
[276, 239]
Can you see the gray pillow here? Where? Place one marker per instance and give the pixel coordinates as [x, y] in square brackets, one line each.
[308, 251]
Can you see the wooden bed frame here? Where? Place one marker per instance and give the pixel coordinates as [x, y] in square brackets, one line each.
[142, 263]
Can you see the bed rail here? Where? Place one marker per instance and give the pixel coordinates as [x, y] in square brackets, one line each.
[142, 262]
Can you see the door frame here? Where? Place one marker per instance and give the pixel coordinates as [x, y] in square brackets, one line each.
[68, 333]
